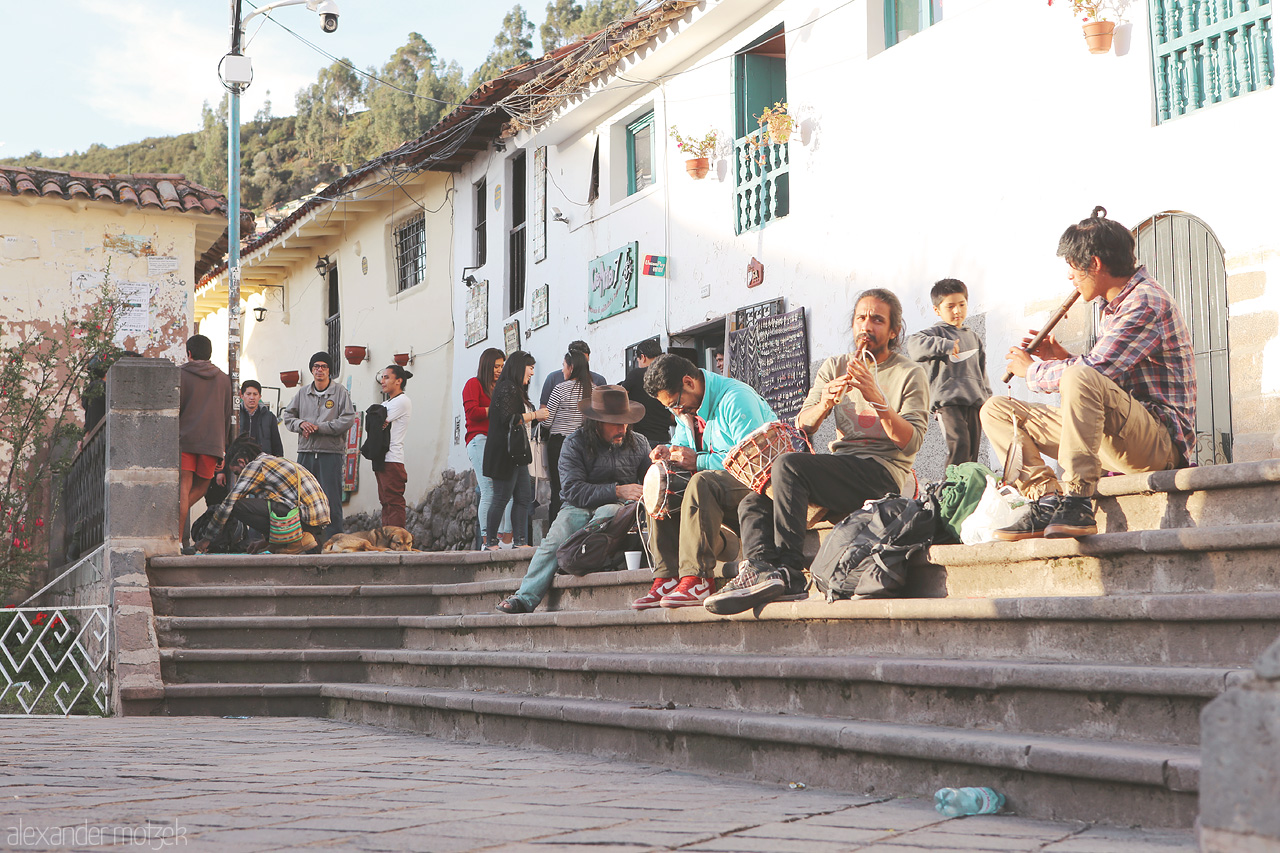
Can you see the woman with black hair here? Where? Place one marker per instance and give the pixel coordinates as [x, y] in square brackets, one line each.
[511, 482]
[564, 415]
[475, 405]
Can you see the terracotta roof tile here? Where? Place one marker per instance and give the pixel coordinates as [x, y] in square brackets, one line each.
[164, 192]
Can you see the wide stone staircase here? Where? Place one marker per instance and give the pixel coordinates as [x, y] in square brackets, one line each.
[1067, 674]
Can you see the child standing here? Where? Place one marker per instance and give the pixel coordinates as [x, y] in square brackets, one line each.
[952, 353]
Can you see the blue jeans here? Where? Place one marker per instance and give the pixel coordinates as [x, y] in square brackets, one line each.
[518, 489]
[542, 568]
[327, 468]
[475, 452]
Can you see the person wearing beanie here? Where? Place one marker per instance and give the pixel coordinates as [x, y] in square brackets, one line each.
[321, 413]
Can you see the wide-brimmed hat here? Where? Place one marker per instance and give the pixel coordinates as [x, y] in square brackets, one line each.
[609, 403]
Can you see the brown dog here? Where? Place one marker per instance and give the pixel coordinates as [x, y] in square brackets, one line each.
[377, 539]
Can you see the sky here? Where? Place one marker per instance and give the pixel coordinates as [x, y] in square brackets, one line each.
[119, 71]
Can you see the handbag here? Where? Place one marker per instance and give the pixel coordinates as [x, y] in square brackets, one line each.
[285, 529]
[518, 442]
[539, 469]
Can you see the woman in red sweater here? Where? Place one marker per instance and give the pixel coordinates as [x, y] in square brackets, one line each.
[475, 403]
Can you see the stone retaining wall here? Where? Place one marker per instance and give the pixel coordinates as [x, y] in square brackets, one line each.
[444, 520]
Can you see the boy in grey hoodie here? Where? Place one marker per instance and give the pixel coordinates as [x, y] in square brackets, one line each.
[321, 413]
[953, 355]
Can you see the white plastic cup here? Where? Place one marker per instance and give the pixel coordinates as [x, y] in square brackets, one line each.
[633, 559]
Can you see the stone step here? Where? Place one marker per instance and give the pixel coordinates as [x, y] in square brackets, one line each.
[1150, 704]
[1189, 629]
[1221, 559]
[1044, 776]
[1211, 496]
[601, 591]
[370, 567]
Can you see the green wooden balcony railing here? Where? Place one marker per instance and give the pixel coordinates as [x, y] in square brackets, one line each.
[761, 179]
[1204, 52]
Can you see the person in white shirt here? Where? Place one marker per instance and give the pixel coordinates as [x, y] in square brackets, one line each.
[392, 477]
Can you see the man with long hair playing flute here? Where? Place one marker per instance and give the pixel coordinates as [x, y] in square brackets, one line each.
[1128, 405]
[880, 401]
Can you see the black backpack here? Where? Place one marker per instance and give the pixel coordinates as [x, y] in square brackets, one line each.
[866, 555]
[598, 547]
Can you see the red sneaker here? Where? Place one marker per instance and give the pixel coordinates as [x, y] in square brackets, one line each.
[652, 598]
[690, 592]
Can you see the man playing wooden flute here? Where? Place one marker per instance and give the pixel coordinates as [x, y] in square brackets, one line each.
[1128, 405]
[880, 400]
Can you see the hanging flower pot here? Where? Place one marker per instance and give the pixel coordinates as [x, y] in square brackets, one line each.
[355, 354]
[289, 378]
[698, 167]
[401, 358]
[1098, 35]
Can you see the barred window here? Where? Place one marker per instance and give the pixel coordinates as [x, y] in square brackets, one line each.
[411, 253]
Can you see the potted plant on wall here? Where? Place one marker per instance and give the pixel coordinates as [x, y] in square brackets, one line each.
[698, 150]
[779, 123]
[1098, 31]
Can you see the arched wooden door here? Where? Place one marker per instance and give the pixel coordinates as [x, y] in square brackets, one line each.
[1184, 255]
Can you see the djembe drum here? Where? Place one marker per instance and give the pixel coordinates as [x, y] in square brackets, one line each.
[751, 460]
[663, 490]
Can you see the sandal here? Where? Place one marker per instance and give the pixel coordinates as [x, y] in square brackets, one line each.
[513, 606]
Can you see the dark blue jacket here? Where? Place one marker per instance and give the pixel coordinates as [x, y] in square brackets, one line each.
[263, 428]
[588, 475]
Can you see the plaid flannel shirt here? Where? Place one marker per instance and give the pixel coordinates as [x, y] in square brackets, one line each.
[1144, 348]
[279, 480]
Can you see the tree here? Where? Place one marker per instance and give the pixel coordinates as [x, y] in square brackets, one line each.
[556, 27]
[568, 21]
[510, 47]
[323, 108]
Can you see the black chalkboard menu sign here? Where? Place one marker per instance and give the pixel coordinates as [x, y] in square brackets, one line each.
[771, 354]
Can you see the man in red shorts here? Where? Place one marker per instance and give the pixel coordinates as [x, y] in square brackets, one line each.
[204, 416]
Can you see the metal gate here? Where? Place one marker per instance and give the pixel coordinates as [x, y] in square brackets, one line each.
[1184, 255]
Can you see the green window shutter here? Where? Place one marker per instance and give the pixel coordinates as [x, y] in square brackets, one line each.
[640, 154]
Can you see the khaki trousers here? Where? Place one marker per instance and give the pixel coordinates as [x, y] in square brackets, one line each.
[691, 542]
[1099, 427]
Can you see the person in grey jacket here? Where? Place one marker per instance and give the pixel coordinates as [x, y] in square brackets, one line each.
[953, 356]
[601, 466]
[321, 413]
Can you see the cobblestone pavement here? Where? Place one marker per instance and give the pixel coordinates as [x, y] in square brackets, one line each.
[283, 784]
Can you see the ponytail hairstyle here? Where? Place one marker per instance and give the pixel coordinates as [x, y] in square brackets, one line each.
[513, 372]
[579, 370]
[403, 375]
[1101, 238]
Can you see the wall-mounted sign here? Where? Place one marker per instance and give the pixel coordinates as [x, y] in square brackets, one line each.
[755, 273]
[612, 283]
[511, 336]
[538, 227]
[477, 313]
[497, 196]
[771, 354]
[540, 311]
[655, 265]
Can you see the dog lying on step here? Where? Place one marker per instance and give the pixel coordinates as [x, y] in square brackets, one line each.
[377, 539]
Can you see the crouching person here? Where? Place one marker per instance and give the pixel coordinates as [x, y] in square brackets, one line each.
[268, 484]
[601, 465]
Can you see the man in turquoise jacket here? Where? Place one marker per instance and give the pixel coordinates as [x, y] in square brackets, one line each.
[713, 413]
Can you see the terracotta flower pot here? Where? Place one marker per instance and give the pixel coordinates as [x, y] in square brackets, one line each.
[289, 378]
[401, 358]
[698, 167]
[355, 354]
[1098, 35]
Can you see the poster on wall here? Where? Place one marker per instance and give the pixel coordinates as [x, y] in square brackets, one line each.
[135, 314]
[511, 336]
[540, 312]
[612, 283]
[539, 212]
[771, 354]
[478, 313]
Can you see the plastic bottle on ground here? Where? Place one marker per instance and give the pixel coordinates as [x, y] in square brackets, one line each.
[954, 802]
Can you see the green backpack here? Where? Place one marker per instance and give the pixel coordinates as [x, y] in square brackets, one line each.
[958, 497]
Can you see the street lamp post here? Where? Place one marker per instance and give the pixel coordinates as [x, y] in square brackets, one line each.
[237, 74]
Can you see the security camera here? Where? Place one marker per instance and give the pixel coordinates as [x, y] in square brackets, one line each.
[328, 11]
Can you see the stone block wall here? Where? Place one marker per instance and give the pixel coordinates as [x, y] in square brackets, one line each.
[444, 520]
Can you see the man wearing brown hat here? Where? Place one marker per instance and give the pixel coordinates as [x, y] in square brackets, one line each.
[321, 413]
[601, 465]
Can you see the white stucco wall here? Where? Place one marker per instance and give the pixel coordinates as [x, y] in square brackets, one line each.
[962, 152]
[373, 314]
[54, 254]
